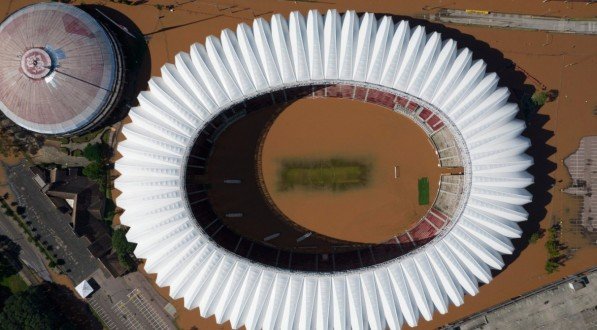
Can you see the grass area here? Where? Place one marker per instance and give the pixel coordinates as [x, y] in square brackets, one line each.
[332, 174]
[106, 136]
[14, 282]
[85, 137]
[424, 191]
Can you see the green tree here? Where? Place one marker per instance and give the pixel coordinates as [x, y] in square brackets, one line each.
[46, 306]
[124, 249]
[6, 268]
[9, 257]
[97, 152]
[539, 98]
[551, 266]
[95, 171]
[29, 310]
[552, 249]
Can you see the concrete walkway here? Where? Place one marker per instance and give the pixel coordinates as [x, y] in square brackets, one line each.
[49, 154]
[516, 21]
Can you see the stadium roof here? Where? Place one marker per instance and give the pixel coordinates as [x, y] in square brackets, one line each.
[59, 69]
[307, 51]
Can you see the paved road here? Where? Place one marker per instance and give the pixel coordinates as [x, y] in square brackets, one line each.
[52, 225]
[516, 21]
[555, 306]
[28, 255]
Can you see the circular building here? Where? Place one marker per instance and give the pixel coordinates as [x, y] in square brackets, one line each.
[184, 186]
[61, 71]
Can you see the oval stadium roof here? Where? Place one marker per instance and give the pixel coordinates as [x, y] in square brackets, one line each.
[59, 69]
[318, 49]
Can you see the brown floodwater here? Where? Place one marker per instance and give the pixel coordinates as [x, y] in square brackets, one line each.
[323, 129]
[565, 62]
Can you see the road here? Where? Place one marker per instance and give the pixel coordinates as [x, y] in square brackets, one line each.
[28, 255]
[516, 21]
[51, 225]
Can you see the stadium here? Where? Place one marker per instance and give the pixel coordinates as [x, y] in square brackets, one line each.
[61, 70]
[209, 160]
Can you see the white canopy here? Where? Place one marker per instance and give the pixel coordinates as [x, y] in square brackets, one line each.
[84, 289]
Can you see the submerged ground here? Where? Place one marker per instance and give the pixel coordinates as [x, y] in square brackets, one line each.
[315, 144]
[564, 62]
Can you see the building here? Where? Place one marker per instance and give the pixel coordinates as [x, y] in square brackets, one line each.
[81, 200]
[75, 195]
[61, 70]
[374, 60]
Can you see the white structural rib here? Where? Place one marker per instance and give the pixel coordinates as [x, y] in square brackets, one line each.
[311, 50]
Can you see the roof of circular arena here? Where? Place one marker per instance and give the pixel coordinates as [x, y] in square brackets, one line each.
[60, 70]
[318, 49]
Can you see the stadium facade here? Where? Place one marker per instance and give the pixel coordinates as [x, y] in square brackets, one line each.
[61, 71]
[416, 72]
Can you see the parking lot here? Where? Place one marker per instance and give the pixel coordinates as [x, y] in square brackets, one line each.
[129, 302]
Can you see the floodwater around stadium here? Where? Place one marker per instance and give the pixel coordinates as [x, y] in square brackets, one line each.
[564, 62]
[394, 148]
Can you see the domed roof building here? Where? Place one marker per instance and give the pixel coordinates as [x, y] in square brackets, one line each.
[61, 71]
[439, 86]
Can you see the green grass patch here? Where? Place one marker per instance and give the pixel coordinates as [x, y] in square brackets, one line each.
[105, 136]
[332, 174]
[15, 283]
[424, 191]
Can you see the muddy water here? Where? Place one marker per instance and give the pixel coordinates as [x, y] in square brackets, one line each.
[561, 61]
[351, 130]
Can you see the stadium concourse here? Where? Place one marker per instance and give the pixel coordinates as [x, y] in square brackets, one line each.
[400, 67]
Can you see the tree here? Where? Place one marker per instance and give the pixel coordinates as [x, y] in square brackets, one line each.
[124, 249]
[97, 152]
[95, 171]
[539, 98]
[46, 306]
[9, 257]
[551, 266]
[28, 310]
